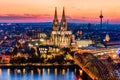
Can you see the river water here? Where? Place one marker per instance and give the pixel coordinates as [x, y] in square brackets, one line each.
[38, 74]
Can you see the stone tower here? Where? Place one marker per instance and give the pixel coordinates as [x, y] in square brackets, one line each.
[55, 21]
[63, 26]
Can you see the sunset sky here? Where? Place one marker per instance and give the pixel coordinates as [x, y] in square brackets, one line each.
[75, 10]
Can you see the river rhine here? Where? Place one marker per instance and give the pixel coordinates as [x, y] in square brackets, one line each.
[38, 74]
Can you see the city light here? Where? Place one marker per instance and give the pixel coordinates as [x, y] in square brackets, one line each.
[59, 40]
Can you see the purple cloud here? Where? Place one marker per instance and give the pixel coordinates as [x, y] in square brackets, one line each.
[82, 19]
[42, 17]
[20, 17]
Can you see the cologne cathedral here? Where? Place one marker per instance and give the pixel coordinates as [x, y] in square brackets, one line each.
[60, 35]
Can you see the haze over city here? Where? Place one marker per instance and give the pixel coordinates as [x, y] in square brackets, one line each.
[43, 10]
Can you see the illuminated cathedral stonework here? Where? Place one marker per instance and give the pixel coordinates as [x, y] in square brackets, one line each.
[60, 35]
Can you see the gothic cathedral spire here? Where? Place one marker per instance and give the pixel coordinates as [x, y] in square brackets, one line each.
[63, 14]
[63, 22]
[55, 21]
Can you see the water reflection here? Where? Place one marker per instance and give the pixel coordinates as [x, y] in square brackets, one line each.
[0, 72]
[63, 71]
[31, 72]
[55, 71]
[39, 71]
[75, 70]
[24, 71]
[8, 72]
[38, 74]
[43, 70]
[48, 71]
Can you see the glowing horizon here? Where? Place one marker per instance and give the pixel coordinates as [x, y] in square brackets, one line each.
[43, 10]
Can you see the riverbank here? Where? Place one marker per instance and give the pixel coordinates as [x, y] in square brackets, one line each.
[38, 65]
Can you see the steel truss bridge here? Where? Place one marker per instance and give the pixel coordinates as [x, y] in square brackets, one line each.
[96, 69]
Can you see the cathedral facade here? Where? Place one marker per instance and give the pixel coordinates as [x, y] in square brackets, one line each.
[60, 35]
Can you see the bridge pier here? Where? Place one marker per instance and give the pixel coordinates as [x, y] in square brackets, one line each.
[85, 76]
[82, 75]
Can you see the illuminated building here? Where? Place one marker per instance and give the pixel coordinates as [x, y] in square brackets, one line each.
[107, 37]
[73, 41]
[39, 39]
[82, 39]
[83, 43]
[60, 36]
[48, 49]
[4, 58]
[36, 34]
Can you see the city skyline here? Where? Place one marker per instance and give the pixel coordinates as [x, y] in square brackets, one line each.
[59, 40]
[76, 11]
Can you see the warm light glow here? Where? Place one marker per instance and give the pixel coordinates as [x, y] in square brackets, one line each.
[0, 72]
[48, 71]
[24, 71]
[8, 72]
[39, 71]
[81, 72]
[43, 70]
[32, 72]
[55, 71]
[75, 70]
[18, 71]
[63, 71]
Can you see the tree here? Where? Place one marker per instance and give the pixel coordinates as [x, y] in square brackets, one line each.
[15, 50]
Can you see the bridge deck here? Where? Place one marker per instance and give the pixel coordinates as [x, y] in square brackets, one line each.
[90, 74]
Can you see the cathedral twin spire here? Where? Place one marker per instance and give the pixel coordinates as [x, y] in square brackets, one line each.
[63, 26]
[55, 21]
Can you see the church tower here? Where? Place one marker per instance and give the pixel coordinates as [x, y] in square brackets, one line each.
[107, 38]
[55, 21]
[60, 36]
[63, 26]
